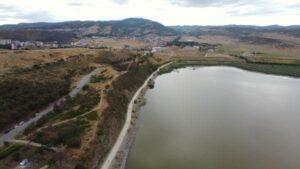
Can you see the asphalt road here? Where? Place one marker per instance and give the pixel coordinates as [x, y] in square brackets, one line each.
[14, 132]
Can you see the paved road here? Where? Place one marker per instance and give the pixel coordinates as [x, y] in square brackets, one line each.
[14, 132]
[113, 152]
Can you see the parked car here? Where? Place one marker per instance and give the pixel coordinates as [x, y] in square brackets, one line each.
[24, 163]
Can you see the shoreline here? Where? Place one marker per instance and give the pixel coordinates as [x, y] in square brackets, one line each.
[269, 69]
[120, 159]
[117, 151]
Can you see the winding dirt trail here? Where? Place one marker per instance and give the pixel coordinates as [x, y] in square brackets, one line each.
[113, 152]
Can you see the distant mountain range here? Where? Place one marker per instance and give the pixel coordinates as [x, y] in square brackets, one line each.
[238, 30]
[132, 27]
[66, 31]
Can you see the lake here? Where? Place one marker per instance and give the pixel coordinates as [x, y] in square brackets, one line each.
[219, 118]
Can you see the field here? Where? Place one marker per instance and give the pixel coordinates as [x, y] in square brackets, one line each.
[119, 43]
[265, 58]
[26, 58]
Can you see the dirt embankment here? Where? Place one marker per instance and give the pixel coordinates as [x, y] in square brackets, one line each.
[118, 155]
[113, 117]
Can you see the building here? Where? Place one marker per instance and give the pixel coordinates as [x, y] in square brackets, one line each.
[157, 49]
[5, 41]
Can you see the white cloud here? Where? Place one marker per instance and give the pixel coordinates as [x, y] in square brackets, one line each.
[169, 12]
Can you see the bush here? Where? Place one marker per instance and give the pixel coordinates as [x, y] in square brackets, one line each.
[16, 156]
[97, 79]
[20, 98]
[75, 142]
[92, 115]
[9, 150]
[79, 166]
[85, 88]
[51, 162]
[6, 144]
[65, 134]
[113, 117]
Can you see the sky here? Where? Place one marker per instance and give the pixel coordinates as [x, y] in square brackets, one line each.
[167, 12]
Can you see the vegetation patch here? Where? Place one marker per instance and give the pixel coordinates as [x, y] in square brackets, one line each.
[26, 91]
[23, 97]
[99, 78]
[276, 69]
[9, 150]
[113, 117]
[67, 134]
[92, 116]
[72, 107]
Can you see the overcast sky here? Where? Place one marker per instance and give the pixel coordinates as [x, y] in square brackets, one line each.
[168, 12]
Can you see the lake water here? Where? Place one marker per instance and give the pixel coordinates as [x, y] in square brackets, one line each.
[219, 118]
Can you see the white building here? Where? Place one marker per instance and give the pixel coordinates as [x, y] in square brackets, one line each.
[157, 49]
[5, 41]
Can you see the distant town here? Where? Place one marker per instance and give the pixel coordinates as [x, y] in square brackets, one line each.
[91, 42]
[21, 45]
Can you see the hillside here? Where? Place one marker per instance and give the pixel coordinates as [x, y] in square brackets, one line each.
[66, 31]
[238, 30]
[279, 36]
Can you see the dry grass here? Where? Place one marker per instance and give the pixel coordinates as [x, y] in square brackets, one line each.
[282, 37]
[177, 52]
[118, 43]
[23, 58]
[216, 39]
[234, 44]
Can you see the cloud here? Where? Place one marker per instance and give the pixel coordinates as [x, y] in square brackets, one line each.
[120, 1]
[254, 11]
[297, 5]
[78, 3]
[206, 3]
[168, 12]
[75, 4]
[6, 8]
[8, 12]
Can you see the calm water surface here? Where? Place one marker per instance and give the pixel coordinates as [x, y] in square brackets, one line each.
[219, 118]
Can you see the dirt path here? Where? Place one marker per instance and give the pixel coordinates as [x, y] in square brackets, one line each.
[25, 142]
[112, 154]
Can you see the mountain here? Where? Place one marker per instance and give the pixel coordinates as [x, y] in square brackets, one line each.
[67, 31]
[134, 27]
[238, 31]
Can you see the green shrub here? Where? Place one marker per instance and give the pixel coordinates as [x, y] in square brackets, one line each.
[16, 156]
[9, 150]
[79, 166]
[97, 79]
[65, 134]
[92, 116]
[118, 98]
[74, 142]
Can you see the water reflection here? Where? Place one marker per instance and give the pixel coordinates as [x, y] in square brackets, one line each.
[219, 118]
